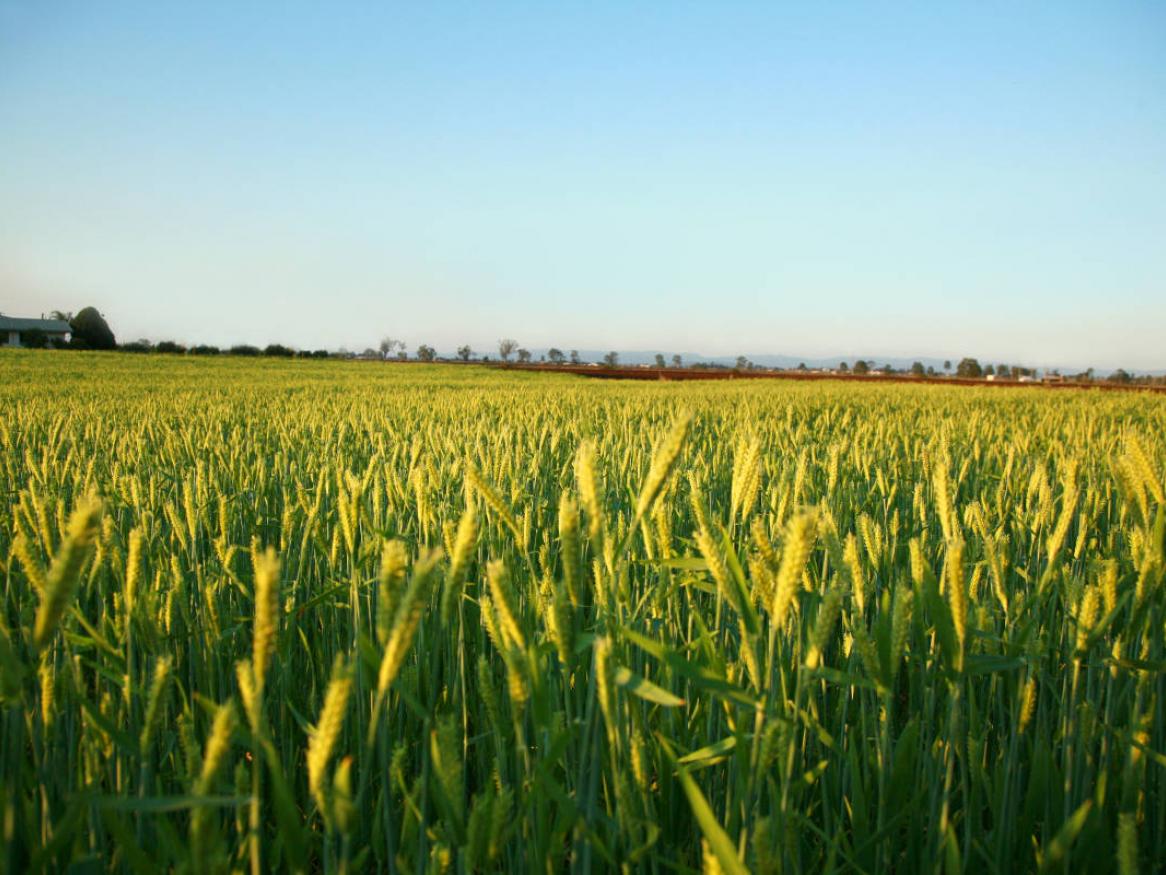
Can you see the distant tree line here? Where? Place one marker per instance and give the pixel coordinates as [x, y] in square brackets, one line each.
[90, 331]
[508, 347]
[272, 350]
[970, 369]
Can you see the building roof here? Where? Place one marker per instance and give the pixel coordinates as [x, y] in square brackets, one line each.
[49, 326]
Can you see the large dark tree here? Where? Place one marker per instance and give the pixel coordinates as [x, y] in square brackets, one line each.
[969, 368]
[91, 330]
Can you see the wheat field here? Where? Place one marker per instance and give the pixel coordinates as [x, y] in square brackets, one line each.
[335, 617]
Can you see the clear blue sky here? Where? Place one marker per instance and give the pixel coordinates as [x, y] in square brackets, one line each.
[820, 179]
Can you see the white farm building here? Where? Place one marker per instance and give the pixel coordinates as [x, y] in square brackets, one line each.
[15, 331]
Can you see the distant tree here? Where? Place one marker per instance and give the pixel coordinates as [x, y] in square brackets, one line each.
[244, 349]
[464, 352]
[524, 355]
[319, 354]
[742, 363]
[141, 345]
[574, 356]
[677, 361]
[555, 355]
[969, 368]
[203, 349]
[947, 365]
[169, 346]
[843, 367]
[861, 367]
[388, 344]
[1121, 375]
[278, 350]
[426, 353]
[90, 327]
[611, 359]
[931, 370]
[917, 369]
[506, 346]
[887, 369]
[802, 366]
[659, 360]
[61, 316]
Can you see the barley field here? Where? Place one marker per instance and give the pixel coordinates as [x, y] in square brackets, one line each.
[334, 617]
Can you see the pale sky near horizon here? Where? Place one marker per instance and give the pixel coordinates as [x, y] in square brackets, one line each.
[817, 179]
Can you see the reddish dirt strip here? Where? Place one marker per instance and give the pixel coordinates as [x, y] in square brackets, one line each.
[672, 374]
